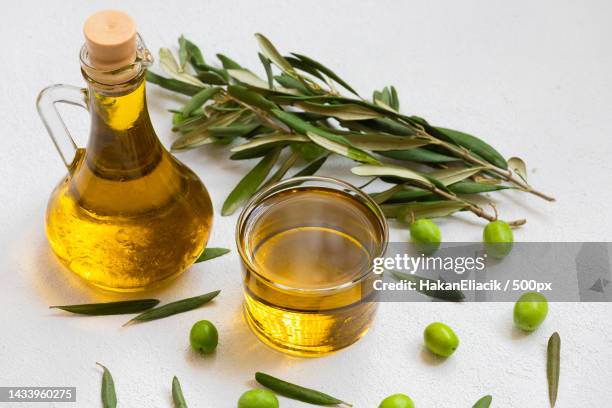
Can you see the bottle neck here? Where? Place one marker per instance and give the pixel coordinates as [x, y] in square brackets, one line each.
[122, 142]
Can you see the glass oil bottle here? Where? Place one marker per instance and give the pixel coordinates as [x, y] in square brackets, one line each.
[128, 215]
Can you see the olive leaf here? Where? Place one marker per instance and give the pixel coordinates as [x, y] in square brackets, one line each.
[248, 78]
[472, 187]
[198, 100]
[272, 53]
[417, 194]
[484, 402]
[274, 138]
[108, 394]
[232, 131]
[250, 98]
[194, 53]
[297, 392]
[173, 84]
[266, 63]
[407, 212]
[222, 119]
[299, 64]
[452, 176]
[183, 54]
[209, 72]
[295, 98]
[211, 253]
[228, 63]
[191, 140]
[109, 308]
[475, 145]
[256, 152]
[402, 195]
[380, 142]
[384, 106]
[392, 210]
[387, 99]
[324, 70]
[211, 78]
[189, 52]
[200, 135]
[487, 180]
[341, 149]
[249, 183]
[169, 309]
[312, 167]
[281, 171]
[394, 103]
[187, 124]
[392, 171]
[518, 166]
[418, 155]
[378, 95]
[384, 196]
[429, 209]
[170, 66]
[177, 394]
[178, 118]
[553, 363]
[223, 107]
[290, 82]
[347, 111]
[391, 126]
[303, 127]
[309, 151]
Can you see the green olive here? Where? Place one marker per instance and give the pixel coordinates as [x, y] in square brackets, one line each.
[441, 339]
[498, 238]
[425, 235]
[257, 398]
[204, 337]
[530, 310]
[397, 401]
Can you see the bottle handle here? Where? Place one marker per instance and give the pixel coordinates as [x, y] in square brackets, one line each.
[51, 118]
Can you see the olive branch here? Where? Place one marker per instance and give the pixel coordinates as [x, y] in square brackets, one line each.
[298, 109]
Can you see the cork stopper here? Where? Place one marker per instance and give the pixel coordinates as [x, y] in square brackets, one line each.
[110, 38]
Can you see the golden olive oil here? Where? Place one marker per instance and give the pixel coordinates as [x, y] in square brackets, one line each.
[128, 215]
[309, 252]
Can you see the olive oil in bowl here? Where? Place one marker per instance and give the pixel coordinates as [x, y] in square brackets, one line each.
[307, 245]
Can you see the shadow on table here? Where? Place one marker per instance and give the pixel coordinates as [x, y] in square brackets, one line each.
[40, 269]
[242, 349]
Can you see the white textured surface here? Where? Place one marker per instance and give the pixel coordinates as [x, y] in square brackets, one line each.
[535, 78]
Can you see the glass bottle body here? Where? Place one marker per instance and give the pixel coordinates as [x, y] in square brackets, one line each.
[128, 215]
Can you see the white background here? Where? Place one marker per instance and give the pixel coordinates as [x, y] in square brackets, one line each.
[532, 77]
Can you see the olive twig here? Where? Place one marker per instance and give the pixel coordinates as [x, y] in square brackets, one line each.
[260, 114]
[492, 204]
[471, 206]
[506, 175]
